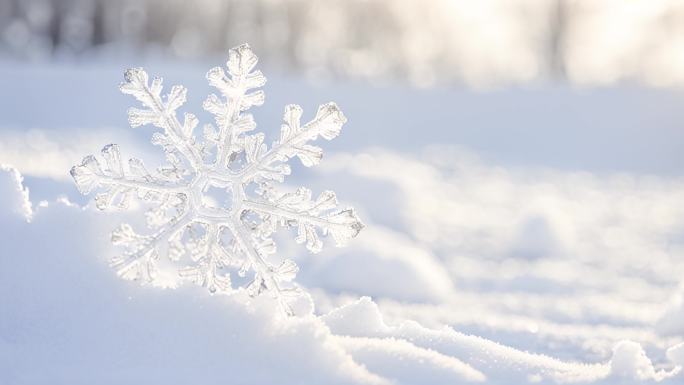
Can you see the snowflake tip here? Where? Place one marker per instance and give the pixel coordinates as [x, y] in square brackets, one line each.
[241, 60]
[86, 174]
[112, 157]
[331, 120]
[216, 76]
[123, 235]
[287, 270]
[134, 78]
[349, 226]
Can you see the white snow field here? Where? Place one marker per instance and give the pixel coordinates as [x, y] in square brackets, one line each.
[523, 235]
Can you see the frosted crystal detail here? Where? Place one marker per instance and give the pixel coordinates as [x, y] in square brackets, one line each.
[206, 238]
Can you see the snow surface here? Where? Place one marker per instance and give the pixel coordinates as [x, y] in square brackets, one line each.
[496, 264]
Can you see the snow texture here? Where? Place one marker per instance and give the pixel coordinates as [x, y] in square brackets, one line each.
[516, 269]
[234, 226]
[15, 195]
[145, 338]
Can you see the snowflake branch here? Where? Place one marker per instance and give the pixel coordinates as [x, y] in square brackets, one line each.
[206, 272]
[241, 61]
[299, 216]
[327, 123]
[161, 114]
[139, 184]
[139, 262]
[342, 225]
[90, 175]
[287, 214]
[265, 275]
[245, 242]
[226, 135]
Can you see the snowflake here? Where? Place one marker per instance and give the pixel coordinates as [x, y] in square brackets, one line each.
[205, 238]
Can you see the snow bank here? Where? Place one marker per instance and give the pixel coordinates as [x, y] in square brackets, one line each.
[362, 322]
[555, 261]
[15, 196]
[400, 359]
[66, 313]
[381, 263]
[630, 362]
[499, 363]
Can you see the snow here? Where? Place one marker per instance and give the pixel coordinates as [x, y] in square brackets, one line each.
[71, 317]
[500, 363]
[16, 195]
[137, 328]
[417, 275]
[629, 362]
[484, 266]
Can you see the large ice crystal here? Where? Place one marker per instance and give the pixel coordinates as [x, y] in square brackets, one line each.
[202, 236]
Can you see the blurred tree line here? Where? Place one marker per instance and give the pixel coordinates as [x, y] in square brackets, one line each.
[361, 37]
[422, 41]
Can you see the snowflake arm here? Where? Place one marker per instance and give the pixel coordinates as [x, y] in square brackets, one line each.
[297, 209]
[138, 262]
[118, 185]
[204, 237]
[162, 113]
[293, 142]
[234, 87]
[210, 258]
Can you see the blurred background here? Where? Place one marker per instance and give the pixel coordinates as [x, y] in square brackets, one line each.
[482, 43]
[521, 159]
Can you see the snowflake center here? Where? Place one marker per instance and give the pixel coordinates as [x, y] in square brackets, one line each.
[217, 197]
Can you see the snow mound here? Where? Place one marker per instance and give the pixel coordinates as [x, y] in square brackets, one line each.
[393, 357]
[360, 318]
[378, 253]
[58, 296]
[65, 313]
[630, 362]
[400, 359]
[15, 196]
[500, 364]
